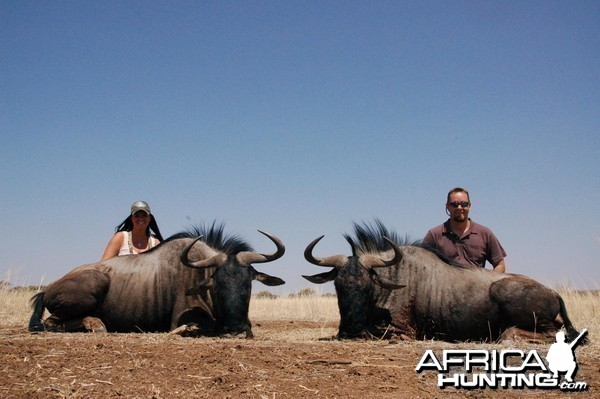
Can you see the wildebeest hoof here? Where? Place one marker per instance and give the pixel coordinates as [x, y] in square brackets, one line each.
[242, 334]
[185, 330]
[36, 328]
[93, 324]
[179, 330]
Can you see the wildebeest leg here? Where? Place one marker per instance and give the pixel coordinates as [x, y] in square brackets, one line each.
[194, 322]
[527, 308]
[185, 330]
[74, 300]
[94, 324]
[517, 334]
[403, 321]
[85, 324]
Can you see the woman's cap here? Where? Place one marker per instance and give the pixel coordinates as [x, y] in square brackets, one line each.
[140, 206]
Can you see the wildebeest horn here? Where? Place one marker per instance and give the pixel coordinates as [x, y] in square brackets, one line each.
[214, 261]
[336, 261]
[246, 258]
[370, 261]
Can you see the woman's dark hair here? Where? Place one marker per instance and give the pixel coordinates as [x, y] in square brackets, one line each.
[127, 225]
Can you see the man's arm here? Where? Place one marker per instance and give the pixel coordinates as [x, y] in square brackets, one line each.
[500, 266]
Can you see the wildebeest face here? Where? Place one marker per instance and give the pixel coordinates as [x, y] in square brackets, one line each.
[232, 289]
[354, 278]
[231, 285]
[354, 290]
[232, 292]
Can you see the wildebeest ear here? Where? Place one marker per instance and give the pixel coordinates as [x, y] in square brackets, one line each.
[384, 282]
[322, 278]
[201, 288]
[268, 280]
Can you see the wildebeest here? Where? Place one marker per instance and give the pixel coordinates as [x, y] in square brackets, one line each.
[181, 281]
[414, 292]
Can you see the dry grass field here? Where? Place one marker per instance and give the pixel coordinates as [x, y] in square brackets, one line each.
[291, 356]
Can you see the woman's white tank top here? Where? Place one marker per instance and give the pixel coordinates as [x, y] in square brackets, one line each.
[127, 247]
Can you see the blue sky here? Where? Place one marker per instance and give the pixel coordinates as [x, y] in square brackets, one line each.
[300, 118]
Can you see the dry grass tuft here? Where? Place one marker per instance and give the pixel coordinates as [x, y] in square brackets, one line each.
[15, 308]
[314, 308]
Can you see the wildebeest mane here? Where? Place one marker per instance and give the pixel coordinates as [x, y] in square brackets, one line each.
[369, 239]
[215, 237]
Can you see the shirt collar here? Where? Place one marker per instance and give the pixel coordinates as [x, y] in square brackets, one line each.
[473, 229]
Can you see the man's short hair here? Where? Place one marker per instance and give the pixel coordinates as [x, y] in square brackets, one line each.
[457, 190]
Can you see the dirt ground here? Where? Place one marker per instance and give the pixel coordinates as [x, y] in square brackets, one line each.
[286, 359]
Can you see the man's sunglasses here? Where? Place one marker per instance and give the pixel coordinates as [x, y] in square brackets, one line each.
[455, 204]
